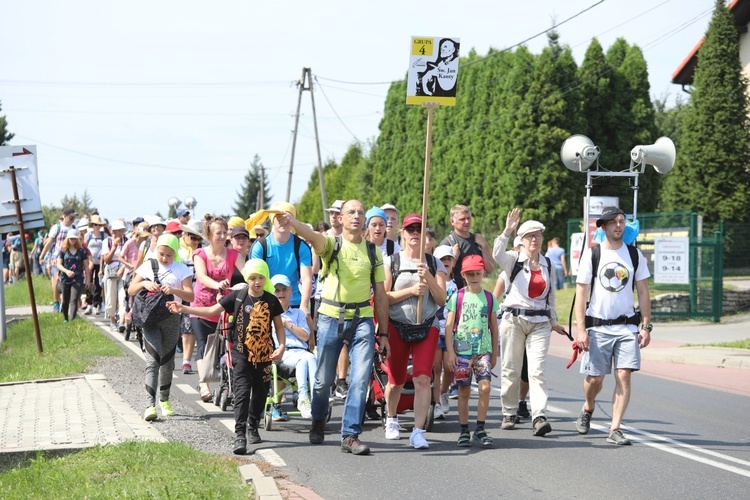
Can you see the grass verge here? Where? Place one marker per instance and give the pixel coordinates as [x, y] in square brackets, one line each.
[69, 348]
[17, 294]
[736, 344]
[135, 469]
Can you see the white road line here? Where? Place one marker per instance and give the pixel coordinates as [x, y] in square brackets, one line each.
[186, 388]
[130, 345]
[271, 457]
[228, 423]
[678, 452]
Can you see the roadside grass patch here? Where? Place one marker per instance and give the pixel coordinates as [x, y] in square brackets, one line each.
[135, 469]
[736, 344]
[69, 348]
[17, 294]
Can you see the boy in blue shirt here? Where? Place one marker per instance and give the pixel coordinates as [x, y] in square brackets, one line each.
[471, 346]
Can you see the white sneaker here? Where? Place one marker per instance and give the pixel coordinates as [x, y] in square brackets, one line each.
[439, 413]
[417, 439]
[88, 310]
[392, 428]
[305, 408]
[445, 403]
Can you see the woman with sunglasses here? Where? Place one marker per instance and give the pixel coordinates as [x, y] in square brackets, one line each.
[414, 278]
[528, 318]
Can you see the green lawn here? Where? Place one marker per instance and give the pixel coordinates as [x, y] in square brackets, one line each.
[737, 344]
[128, 470]
[17, 294]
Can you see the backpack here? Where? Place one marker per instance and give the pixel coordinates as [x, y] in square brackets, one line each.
[518, 267]
[297, 242]
[149, 308]
[371, 249]
[596, 253]
[396, 265]
[390, 247]
[461, 345]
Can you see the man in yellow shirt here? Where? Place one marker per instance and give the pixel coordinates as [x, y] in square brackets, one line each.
[345, 318]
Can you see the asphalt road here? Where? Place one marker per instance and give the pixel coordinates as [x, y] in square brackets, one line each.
[688, 442]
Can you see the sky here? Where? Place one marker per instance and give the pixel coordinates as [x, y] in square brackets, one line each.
[140, 101]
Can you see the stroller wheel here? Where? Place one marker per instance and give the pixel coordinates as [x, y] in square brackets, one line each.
[128, 329]
[217, 395]
[430, 418]
[268, 420]
[330, 412]
[224, 403]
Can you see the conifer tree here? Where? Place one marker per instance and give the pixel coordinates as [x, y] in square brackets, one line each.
[247, 197]
[5, 136]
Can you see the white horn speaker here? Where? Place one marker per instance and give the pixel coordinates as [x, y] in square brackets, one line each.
[660, 154]
[578, 153]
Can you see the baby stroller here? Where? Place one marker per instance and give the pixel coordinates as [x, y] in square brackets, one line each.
[224, 395]
[376, 392]
[129, 326]
[283, 374]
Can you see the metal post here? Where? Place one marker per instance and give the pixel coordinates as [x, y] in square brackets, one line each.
[301, 85]
[3, 329]
[694, 237]
[26, 262]
[317, 145]
[718, 274]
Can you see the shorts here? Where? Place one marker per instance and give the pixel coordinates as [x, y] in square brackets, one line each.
[422, 354]
[441, 343]
[479, 364]
[605, 350]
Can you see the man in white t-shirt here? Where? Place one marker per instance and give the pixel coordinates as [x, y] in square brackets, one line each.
[609, 331]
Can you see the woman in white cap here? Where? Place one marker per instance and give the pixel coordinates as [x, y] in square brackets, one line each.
[156, 227]
[73, 265]
[528, 318]
[113, 284]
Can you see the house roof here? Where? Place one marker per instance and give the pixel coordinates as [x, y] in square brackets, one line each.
[683, 75]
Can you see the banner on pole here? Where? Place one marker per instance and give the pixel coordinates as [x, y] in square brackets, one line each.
[433, 70]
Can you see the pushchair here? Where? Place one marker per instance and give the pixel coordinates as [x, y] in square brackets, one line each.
[283, 374]
[376, 392]
[224, 395]
[129, 326]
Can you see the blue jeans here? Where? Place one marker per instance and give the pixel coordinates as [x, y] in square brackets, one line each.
[305, 365]
[559, 278]
[361, 354]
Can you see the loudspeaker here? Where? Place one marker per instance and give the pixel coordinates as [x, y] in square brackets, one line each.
[578, 153]
[660, 154]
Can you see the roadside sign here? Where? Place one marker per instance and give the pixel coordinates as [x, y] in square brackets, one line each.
[671, 260]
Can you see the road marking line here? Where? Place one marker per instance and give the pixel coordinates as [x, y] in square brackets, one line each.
[186, 388]
[228, 423]
[681, 453]
[271, 457]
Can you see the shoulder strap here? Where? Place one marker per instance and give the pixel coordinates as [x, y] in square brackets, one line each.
[490, 304]
[371, 249]
[390, 247]
[517, 268]
[155, 269]
[596, 253]
[264, 247]
[551, 283]
[633, 251]
[297, 243]
[459, 306]
[431, 263]
[239, 299]
[395, 267]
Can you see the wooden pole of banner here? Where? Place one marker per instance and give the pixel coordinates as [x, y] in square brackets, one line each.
[26, 263]
[431, 106]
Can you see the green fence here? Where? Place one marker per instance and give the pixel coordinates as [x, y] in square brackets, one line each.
[701, 297]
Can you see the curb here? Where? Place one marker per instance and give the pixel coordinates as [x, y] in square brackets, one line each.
[264, 487]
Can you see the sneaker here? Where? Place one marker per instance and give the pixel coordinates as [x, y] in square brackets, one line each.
[166, 409]
[56, 307]
[439, 413]
[417, 440]
[253, 434]
[445, 402]
[481, 436]
[150, 414]
[392, 429]
[342, 389]
[240, 446]
[88, 310]
[317, 432]
[583, 424]
[121, 327]
[305, 408]
[509, 422]
[523, 410]
[541, 426]
[113, 327]
[187, 368]
[453, 392]
[371, 411]
[279, 415]
[352, 444]
[616, 437]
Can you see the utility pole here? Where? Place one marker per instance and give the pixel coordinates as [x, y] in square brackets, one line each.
[305, 83]
[262, 191]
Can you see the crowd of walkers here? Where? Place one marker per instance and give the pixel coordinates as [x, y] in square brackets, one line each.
[326, 300]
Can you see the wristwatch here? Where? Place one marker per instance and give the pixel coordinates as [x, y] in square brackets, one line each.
[384, 335]
[647, 326]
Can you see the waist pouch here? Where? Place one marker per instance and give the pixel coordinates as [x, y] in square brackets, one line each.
[413, 333]
[528, 312]
[592, 322]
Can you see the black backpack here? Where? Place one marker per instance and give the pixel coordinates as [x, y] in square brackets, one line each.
[396, 266]
[297, 242]
[371, 253]
[518, 267]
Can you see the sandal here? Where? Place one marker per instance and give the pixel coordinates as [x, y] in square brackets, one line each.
[481, 436]
[206, 395]
[464, 439]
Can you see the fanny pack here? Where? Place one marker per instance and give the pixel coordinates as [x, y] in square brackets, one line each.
[592, 322]
[413, 333]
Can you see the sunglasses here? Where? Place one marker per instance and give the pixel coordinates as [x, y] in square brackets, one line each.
[413, 229]
[194, 237]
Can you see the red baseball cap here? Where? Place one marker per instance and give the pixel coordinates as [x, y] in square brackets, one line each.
[472, 263]
[173, 227]
[411, 220]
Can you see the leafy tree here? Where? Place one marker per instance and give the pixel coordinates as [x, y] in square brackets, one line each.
[247, 197]
[668, 121]
[5, 136]
[82, 205]
[711, 173]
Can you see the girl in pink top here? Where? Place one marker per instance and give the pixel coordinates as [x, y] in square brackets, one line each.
[214, 265]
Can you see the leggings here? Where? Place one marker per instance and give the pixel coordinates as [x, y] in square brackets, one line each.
[160, 342]
[70, 294]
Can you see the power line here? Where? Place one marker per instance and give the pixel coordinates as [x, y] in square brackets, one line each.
[334, 111]
[61, 83]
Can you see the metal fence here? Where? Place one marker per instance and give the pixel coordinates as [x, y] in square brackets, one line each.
[701, 297]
